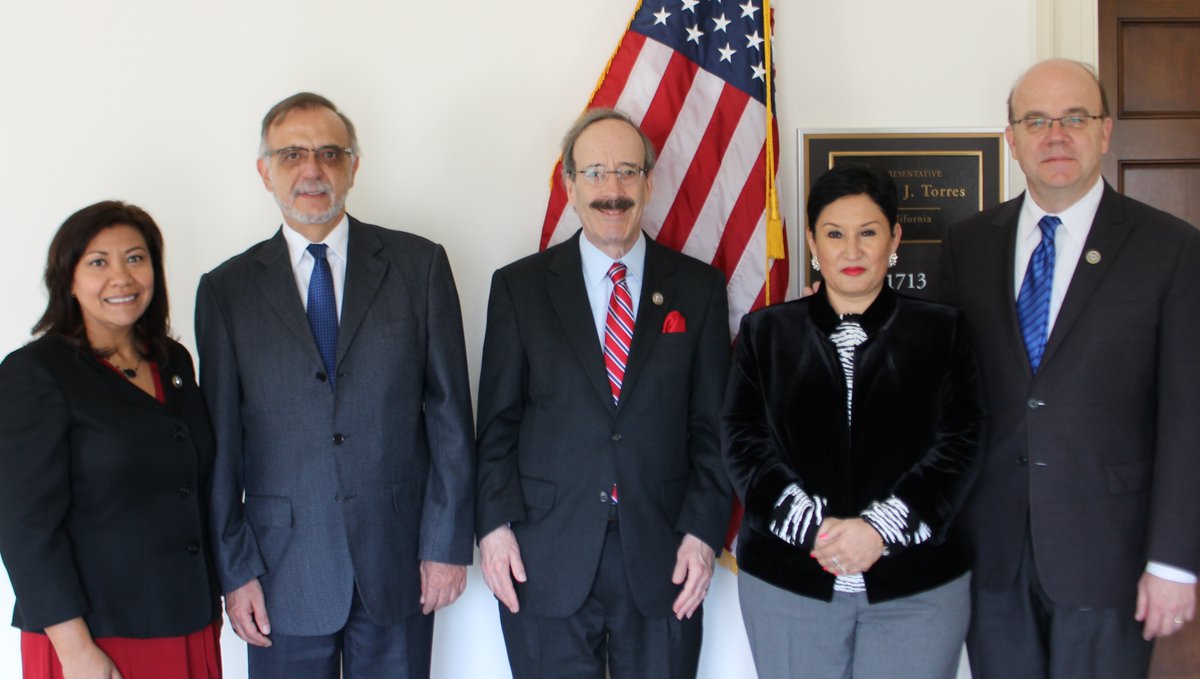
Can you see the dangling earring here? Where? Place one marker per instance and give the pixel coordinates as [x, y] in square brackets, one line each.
[815, 264]
[892, 259]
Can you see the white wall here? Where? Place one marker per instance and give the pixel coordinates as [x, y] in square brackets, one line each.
[459, 106]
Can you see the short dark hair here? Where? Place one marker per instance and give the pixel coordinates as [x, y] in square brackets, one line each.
[854, 180]
[302, 100]
[1086, 67]
[591, 117]
[63, 316]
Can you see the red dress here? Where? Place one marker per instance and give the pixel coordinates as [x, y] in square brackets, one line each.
[193, 656]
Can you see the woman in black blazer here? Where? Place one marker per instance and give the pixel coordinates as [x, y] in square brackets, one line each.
[105, 459]
[851, 430]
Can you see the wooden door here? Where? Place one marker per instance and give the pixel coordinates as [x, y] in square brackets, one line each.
[1150, 67]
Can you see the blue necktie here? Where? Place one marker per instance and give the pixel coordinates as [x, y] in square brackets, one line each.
[322, 309]
[1033, 304]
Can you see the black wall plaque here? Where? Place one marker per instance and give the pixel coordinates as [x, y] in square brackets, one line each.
[943, 178]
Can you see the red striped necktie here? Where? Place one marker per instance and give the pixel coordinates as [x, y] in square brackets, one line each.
[618, 330]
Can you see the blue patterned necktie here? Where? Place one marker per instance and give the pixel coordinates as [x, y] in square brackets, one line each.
[1033, 304]
[322, 309]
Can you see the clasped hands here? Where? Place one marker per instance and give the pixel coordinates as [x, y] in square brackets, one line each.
[847, 546]
[500, 560]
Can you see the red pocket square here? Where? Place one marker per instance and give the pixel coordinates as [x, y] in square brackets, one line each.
[674, 322]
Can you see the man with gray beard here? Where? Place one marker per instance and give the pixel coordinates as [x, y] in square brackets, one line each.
[333, 364]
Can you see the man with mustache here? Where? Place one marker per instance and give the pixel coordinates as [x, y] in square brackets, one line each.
[1085, 310]
[601, 496]
[333, 362]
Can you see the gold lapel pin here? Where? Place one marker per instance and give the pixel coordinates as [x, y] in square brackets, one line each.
[657, 298]
[176, 381]
[1092, 256]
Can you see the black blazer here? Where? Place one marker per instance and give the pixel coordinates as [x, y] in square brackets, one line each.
[551, 442]
[103, 495]
[1098, 455]
[916, 432]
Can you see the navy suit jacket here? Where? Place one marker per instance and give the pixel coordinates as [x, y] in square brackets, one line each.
[1098, 453]
[318, 492]
[551, 442]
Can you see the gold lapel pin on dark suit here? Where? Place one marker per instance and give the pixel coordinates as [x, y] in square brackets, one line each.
[657, 298]
[177, 381]
[1092, 256]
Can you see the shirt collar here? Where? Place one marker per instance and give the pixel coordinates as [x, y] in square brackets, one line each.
[1077, 219]
[596, 263]
[338, 240]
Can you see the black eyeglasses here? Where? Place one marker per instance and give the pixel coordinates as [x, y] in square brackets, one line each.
[1075, 121]
[329, 155]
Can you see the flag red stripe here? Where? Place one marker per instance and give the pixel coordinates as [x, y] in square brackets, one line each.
[743, 218]
[622, 65]
[697, 184]
[554, 210]
[668, 99]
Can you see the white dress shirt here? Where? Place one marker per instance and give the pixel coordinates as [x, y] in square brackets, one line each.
[599, 286]
[1068, 243]
[338, 242]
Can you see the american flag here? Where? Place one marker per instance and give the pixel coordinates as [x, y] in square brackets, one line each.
[692, 74]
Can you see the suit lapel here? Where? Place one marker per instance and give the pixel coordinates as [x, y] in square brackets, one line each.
[168, 373]
[278, 285]
[364, 274]
[648, 325]
[122, 389]
[569, 298]
[1107, 236]
[1004, 240]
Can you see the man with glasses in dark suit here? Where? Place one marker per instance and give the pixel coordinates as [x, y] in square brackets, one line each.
[332, 359]
[1085, 310]
[602, 497]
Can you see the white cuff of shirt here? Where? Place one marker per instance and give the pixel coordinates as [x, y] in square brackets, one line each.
[1171, 573]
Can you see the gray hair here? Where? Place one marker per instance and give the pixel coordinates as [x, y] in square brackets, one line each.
[585, 121]
[302, 100]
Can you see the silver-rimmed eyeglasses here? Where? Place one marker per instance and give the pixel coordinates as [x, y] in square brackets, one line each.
[598, 174]
[328, 155]
[1075, 121]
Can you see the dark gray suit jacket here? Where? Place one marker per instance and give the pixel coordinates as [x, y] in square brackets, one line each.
[551, 442]
[1098, 454]
[345, 489]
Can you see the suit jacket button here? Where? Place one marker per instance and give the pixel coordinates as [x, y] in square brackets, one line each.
[1034, 403]
[603, 497]
[338, 439]
[321, 377]
[179, 433]
[1022, 460]
[193, 548]
[616, 437]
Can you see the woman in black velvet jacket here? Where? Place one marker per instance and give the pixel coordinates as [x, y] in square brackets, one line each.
[851, 430]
